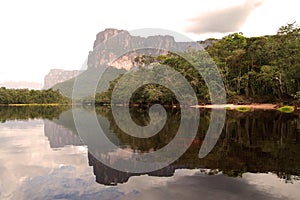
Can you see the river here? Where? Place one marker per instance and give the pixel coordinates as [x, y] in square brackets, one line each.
[42, 156]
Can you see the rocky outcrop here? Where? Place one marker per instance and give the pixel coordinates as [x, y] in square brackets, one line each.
[117, 48]
[113, 53]
[57, 76]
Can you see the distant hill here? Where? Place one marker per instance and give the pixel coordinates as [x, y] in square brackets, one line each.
[87, 80]
[21, 85]
[57, 76]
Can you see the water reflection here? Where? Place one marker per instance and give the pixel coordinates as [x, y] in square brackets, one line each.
[259, 141]
[25, 156]
[45, 159]
[30, 112]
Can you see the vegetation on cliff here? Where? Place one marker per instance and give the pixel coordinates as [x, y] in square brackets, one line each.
[257, 69]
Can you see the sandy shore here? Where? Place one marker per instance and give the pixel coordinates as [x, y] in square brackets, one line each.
[232, 106]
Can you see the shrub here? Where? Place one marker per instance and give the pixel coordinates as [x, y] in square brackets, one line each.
[286, 109]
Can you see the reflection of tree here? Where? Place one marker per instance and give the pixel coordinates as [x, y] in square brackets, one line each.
[255, 141]
[259, 141]
[30, 112]
[288, 178]
[141, 117]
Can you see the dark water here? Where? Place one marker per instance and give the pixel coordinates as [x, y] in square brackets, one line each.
[42, 157]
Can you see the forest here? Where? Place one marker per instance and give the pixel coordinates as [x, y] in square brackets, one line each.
[26, 96]
[263, 69]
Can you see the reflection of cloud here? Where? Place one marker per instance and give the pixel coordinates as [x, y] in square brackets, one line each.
[272, 184]
[223, 20]
[30, 169]
[22, 124]
[205, 187]
[62, 184]
[25, 153]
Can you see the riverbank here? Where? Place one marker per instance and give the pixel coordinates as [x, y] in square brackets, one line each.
[254, 106]
[36, 104]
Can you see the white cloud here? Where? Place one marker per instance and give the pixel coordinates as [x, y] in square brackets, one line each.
[225, 20]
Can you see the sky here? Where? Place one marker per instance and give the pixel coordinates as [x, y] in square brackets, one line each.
[36, 36]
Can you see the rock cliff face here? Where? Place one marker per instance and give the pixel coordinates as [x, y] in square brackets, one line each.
[57, 76]
[113, 53]
[117, 48]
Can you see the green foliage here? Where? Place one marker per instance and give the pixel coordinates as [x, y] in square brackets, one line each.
[286, 109]
[260, 69]
[242, 109]
[26, 96]
[297, 95]
[153, 93]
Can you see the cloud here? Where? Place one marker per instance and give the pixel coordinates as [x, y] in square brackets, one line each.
[224, 20]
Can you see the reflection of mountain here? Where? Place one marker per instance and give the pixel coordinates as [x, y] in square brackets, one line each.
[259, 141]
[60, 136]
[62, 131]
[109, 176]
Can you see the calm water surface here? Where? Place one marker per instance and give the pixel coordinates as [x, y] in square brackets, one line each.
[42, 157]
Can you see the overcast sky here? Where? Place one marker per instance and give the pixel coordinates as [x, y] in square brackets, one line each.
[37, 36]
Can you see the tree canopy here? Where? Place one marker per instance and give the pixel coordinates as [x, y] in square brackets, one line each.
[263, 69]
[26, 96]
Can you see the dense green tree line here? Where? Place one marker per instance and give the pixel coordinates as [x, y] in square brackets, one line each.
[26, 96]
[256, 69]
[267, 66]
[153, 68]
